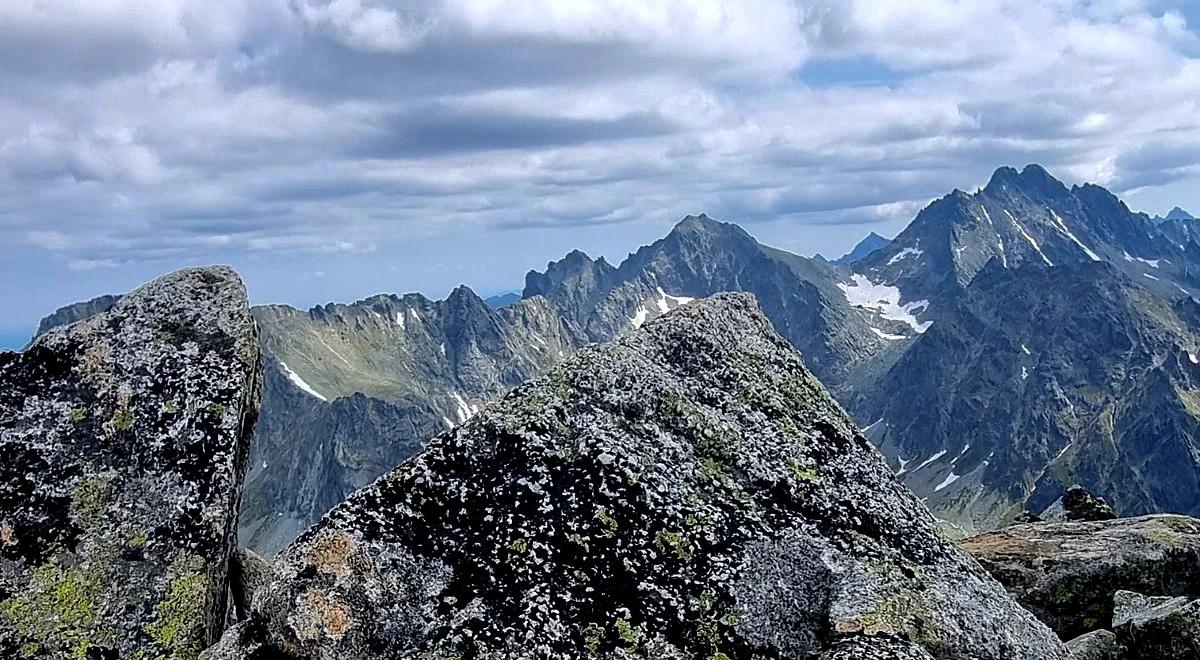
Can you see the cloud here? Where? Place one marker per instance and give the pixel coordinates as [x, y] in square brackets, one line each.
[138, 134]
[91, 264]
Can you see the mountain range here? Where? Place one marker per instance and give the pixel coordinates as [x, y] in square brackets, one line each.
[1008, 343]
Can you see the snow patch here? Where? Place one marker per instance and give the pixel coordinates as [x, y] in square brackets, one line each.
[665, 298]
[1153, 263]
[299, 382]
[331, 349]
[1028, 238]
[1025, 349]
[1063, 226]
[886, 300]
[1192, 357]
[883, 335]
[1149, 276]
[904, 254]
[400, 319]
[950, 478]
[903, 465]
[1061, 452]
[930, 460]
[640, 317]
[999, 238]
[1024, 373]
[465, 409]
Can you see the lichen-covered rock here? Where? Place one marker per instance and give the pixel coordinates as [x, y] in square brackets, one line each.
[123, 440]
[875, 648]
[688, 491]
[1096, 645]
[1158, 627]
[1067, 572]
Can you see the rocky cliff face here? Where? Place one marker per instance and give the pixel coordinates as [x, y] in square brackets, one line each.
[689, 490]
[1036, 378]
[353, 390]
[124, 439]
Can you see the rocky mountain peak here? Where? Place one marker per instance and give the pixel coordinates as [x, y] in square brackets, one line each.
[697, 223]
[574, 274]
[702, 225]
[863, 249]
[463, 297]
[1033, 180]
[1178, 214]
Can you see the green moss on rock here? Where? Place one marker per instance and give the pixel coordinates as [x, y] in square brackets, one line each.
[57, 615]
[90, 499]
[179, 618]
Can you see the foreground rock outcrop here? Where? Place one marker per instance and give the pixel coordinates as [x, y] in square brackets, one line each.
[1067, 573]
[123, 440]
[688, 491]
[1158, 627]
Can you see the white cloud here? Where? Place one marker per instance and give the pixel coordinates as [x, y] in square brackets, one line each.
[182, 131]
[91, 264]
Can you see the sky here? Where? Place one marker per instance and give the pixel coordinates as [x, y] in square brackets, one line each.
[332, 149]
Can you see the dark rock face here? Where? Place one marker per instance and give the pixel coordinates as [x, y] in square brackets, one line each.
[1079, 504]
[1023, 353]
[1034, 379]
[124, 439]
[689, 490]
[69, 314]
[1066, 573]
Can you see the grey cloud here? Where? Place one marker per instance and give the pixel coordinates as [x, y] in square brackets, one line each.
[433, 129]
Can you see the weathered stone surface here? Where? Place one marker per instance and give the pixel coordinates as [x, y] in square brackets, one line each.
[124, 438]
[1096, 645]
[687, 491]
[875, 648]
[247, 572]
[1158, 627]
[1067, 572]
